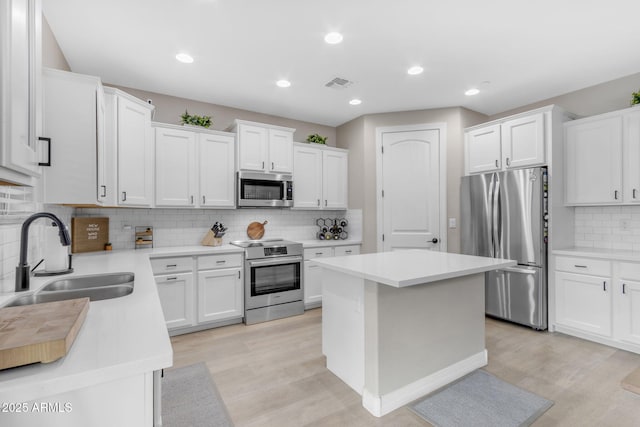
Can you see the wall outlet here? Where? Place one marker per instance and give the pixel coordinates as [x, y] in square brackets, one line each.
[452, 223]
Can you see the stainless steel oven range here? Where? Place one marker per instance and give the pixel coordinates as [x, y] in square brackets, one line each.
[273, 279]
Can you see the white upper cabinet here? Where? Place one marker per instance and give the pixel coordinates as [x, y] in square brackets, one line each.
[483, 151]
[335, 180]
[509, 143]
[631, 150]
[217, 171]
[594, 158]
[135, 152]
[523, 141]
[307, 177]
[20, 85]
[194, 168]
[320, 177]
[175, 167]
[263, 147]
[74, 120]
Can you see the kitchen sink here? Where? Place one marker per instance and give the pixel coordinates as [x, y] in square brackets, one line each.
[96, 287]
[89, 282]
[94, 294]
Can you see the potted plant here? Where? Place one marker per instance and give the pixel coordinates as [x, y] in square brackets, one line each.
[195, 120]
[317, 139]
[635, 98]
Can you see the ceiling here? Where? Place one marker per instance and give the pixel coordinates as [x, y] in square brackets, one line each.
[516, 52]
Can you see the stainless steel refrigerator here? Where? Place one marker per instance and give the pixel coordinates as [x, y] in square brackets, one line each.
[504, 215]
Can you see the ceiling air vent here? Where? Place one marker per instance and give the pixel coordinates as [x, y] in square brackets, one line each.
[339, 83]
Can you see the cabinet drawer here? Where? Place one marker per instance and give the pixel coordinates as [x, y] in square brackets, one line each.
[629, 270]
[584, 265]
[346, 250]
[318, 252]
[171, 265]
[207, 262]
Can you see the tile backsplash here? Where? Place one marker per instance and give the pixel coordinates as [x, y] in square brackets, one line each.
[180, 227]
[608, 227]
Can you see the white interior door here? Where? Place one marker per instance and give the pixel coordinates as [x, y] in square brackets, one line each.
[412, 194]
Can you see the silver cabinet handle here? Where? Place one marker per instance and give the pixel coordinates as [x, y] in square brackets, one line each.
[204, 200]
[48, 141]
[221, 262]
[124, 196]
[191, 199]
[347, 251]
[624, 288]
[104, 191]
[325, 202]
[262, 165]
[318, 202]
[172, 278]
[318, 253]
[497, 163]
[634, 193]
[604, 286]
[238, 274]
[508, 162]
[272, 166]
[580, 266]
[615, 194]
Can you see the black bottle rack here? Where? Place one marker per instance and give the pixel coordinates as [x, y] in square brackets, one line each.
[332, 229]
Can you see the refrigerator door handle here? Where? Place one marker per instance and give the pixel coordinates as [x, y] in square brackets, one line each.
[492, 247]
[495, 217]
[520, 270]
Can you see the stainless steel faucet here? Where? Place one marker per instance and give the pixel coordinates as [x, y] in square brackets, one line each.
[22, 270]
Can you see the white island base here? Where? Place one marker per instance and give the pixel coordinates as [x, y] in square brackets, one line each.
[394, 339]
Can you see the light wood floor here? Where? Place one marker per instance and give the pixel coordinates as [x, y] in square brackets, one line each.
[273, 374]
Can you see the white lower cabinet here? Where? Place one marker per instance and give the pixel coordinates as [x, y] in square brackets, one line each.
[604, 305]
[200, 292]
[313, 273]
[176, 297]
[220, 294]
[584, 302]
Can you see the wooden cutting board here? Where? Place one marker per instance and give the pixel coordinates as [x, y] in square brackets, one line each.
[39, 332]
[255, 230]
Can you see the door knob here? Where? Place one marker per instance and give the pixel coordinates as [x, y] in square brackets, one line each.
[434, 240]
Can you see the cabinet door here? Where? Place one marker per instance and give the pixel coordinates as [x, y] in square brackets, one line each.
[20, 79]
[280, 151]
[523, 141]
[335, 179]
[217, 171]
[307, 177]
[584, 302]
[631, 150]
[176, 297]
[594, 161]
[220, 295]
[312, 285]
[74, 113]
[175, 167]
[483, 151]
[252, 147]
[628, 310]
[135, 154]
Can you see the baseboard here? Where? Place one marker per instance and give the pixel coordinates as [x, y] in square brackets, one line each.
[382, 405]
[567, 330]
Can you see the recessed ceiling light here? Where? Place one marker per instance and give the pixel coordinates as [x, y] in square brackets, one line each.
[472, 91]
[355, 101]
[415, 70]
[333, 38]
[185, 58]
[283, 83]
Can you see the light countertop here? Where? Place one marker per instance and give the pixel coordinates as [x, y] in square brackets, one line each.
[411, 267]
[120, 337]
[610, 254]
[328, 243]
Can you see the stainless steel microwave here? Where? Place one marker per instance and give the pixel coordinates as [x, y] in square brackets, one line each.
[264, 190]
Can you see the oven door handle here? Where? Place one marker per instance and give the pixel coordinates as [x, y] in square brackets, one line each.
[275, 261]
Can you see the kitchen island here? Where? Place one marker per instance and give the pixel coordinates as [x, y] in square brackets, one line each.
[399, 325]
